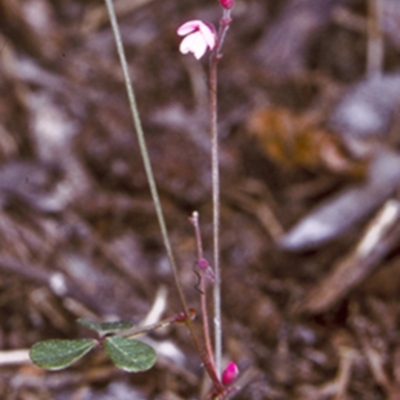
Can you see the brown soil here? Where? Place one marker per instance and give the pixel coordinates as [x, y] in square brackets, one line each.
[75, 202]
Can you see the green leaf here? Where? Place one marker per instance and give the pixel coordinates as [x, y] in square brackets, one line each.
[59, 353]
[130, 355]
[105, 328]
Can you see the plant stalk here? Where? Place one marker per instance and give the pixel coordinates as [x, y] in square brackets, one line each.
[203, 269]
[154, 193]
[215, 57]
[144, 152]
[216, 212]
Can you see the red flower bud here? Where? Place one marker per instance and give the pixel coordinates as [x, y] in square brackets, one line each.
[227, 4]
[230, 373]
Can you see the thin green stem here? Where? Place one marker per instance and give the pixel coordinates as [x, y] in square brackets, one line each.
[136, 331]
[215, 56]
[154, 193]
[144, 152]
[216, 212]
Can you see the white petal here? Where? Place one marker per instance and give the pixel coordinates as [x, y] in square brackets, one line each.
[208, 35]
[201, 48]
[185, 46]
[194, 44]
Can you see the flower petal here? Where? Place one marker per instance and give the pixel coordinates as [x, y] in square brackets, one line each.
[186, 45]
[199, 45]
[193, 43]
[189, 27]
[208, 35]
[199, 37]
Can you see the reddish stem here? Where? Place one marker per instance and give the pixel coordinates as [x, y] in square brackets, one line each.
[202, 265]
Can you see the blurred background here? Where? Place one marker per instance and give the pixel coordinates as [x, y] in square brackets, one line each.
[309, 130]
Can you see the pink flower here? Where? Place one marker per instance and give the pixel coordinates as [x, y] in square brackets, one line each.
[230, 373]
[227, 4]
[198, 37]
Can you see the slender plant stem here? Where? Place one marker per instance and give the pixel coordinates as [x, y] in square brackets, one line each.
[154, 193]
[136, 331]
[204, 314]
[223, 30]
[375, 46]
[216, 211]
[203, 267]
[144, 152]
[215, 56]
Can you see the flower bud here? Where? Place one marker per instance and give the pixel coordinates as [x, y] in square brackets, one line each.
[230, 373]
[203, 264]
[227, 4]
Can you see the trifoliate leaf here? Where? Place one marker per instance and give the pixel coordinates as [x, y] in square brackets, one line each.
[59, 353]
[130, 355]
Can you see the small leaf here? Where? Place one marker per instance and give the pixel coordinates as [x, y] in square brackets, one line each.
[105, 328]
[59, 353]
[130, 355]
